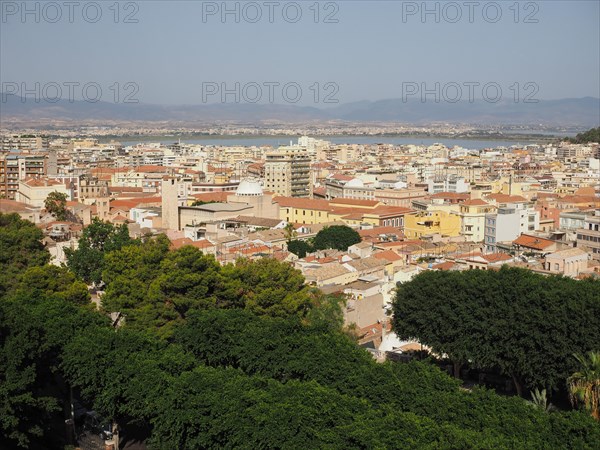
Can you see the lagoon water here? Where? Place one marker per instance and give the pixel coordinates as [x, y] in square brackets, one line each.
[275, 141]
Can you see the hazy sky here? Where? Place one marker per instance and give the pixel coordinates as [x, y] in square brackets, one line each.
[369, 53]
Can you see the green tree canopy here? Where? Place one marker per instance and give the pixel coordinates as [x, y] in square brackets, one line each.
[592, 135]
[20, 247]
[156, 288]
[56, 204]
[338, 237]
[97, 239]
[299, 248]
[525, 324]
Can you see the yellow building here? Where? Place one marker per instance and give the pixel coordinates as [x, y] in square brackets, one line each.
[303, 210]
[424, 223]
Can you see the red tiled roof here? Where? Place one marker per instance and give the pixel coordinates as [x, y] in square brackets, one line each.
[475, 202]
[443, 266]
[388, 255]
[354, 202]
[212, 196]
[505, 198]
[534, 242]
[302, 203]
[152, 168]
[496, 257]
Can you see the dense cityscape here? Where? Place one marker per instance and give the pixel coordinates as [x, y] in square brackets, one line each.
[356, 221]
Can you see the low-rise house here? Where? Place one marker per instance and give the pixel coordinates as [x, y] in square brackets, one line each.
[569, 262]
[534, 244]
[328, 274]
[364, 305]
[480, 261]
[25, 211]
[361, 249]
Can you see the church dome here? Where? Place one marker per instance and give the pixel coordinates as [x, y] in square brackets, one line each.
[249, 188]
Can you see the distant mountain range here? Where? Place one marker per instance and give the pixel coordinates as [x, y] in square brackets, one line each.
[583, 112]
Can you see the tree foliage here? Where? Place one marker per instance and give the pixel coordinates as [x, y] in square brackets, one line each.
[20, 247]
[97, 239]
[156, 288]
[253, 359]
[525, 324]
[299, 248]
[338, 237]
[592, 135]
[56, 204]
[37, 319]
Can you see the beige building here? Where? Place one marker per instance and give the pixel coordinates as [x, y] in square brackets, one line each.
[472, 215]
[288, 172]
[588, 237]
[570, 262]
[33, 191]
[248, 200]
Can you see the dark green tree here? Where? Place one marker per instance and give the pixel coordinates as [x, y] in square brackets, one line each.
[525, 324]
[20, 248]
[97, 239]
[592, 135]
[299, 248]
[338, 237]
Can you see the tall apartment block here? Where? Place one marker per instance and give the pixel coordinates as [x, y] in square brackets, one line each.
[288, 172]
[15, 166]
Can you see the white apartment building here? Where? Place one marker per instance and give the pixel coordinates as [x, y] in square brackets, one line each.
[508, 223]
[447, 183]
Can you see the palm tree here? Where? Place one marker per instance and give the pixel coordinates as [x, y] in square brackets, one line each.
[584, 386]
[539, 399]
[290, 232]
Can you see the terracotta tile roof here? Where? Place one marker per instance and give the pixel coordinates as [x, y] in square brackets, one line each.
[586, 191]
[580, 199]
[475, 202]
[496, 257]
[505, 198]
[354, 202]
[40, 182]
[388, 255]
[9, 206]
[178, 243]
[534, 242]
[152, 168]
[302, 203]
[341, 177]
[126, 205]
[212, 196]
[443, 266]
